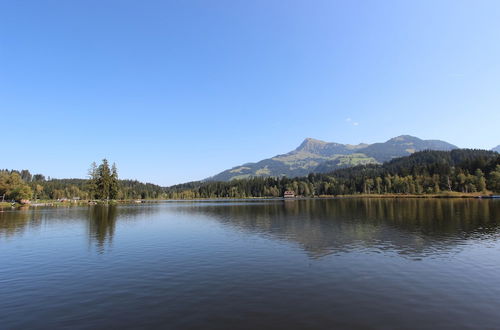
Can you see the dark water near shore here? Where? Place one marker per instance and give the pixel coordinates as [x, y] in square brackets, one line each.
[353, 263]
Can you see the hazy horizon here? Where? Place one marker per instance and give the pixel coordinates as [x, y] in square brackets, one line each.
[176, 92]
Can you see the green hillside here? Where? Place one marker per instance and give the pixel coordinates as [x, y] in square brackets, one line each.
[440, 173]
[315, 156]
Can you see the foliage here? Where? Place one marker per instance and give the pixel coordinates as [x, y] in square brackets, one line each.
[314, 156]
[425, 172]
[12, 186]
[103, 183]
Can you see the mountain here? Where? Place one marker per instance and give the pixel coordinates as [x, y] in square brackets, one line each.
[321, 157]
[497, 149]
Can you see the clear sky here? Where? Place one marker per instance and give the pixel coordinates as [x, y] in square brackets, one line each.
[174, 91]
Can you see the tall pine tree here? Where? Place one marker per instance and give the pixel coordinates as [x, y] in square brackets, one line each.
[103, 181]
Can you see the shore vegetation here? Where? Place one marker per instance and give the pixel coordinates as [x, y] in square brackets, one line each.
[456, 173]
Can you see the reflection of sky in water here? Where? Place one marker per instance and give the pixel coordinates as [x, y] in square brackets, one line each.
[413, 227]
[302, 264]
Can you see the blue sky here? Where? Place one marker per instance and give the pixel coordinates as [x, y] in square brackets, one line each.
[174, 91]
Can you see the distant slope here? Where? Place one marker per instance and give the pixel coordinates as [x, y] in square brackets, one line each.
[402, 146]
[321, 157]
[429, 161]
[423, 172]
[497, 149]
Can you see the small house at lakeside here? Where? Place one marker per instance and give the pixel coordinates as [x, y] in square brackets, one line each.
[289, 194]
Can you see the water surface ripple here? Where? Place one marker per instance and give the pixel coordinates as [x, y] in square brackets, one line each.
[315, 264]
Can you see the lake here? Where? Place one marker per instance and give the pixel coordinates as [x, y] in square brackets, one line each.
[315, 264]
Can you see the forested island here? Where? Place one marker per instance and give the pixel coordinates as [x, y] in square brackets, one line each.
[424, 173]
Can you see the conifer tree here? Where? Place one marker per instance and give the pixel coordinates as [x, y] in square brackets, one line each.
[114, 184]
[92, 182]
[103, 180]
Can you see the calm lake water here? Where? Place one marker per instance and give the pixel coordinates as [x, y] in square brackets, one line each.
[344, 263]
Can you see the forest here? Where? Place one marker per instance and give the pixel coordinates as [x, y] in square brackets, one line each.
[102, 184]
[427, 172]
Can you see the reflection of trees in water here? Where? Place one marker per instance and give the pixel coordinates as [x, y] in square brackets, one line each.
[409, 226]
[414, 227]
[102, 221]
[15, 222]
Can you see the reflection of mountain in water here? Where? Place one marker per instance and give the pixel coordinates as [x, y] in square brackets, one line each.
[415, 227]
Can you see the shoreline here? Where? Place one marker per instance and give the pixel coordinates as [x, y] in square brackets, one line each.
[55, 203]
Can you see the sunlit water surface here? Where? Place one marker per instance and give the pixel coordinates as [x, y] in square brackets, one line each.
[343, 263]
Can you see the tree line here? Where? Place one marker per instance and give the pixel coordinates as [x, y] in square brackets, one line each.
[102, 184]
[425, 172]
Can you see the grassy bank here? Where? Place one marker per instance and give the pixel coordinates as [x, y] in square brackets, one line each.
[5, 205]
[444, 194]
[72, 203]
[447, 194]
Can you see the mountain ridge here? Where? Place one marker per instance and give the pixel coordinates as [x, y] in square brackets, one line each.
[317, 156]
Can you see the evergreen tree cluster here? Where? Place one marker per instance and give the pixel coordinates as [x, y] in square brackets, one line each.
[103, 184]
[425, 172]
